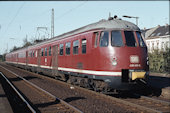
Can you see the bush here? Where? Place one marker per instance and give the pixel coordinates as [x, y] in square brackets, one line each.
[159, 61]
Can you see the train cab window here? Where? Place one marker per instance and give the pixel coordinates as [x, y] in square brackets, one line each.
[49, 51]
[75, 46]
[130, 39]
[42, 52]
[83, 41]
[68, 45]
[140, 40]
[45, 51]
[104, 39]
[61, 49]
[116, 39]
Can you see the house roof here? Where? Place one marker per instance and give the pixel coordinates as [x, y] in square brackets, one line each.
[161, 31]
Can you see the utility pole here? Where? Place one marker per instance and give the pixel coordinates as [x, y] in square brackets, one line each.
[52, 24]
[109, 14]
[7, 48]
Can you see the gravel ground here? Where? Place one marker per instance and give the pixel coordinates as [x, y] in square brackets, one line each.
[84, 101]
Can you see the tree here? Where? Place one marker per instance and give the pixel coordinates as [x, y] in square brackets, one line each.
[26, 42]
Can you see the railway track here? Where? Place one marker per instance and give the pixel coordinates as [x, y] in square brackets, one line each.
[150, 104]
[44, 101]
[129, 103]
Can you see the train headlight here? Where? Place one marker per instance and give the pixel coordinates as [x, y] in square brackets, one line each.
[114, 61]
[147, 60]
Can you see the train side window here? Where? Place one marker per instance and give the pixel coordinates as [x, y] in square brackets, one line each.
[75, 47]
[130, 39]
[61, 49]
[33, 53]
[94, 40]
[68, 45]
[116, 39]
[45, 51]
[49, 51]
[83, 41]
[29, 54]
[140, 40]
[104, 39]
[36, 53]
[42, 52]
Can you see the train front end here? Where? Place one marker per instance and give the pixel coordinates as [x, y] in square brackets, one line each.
[127, 55]
[123, 52]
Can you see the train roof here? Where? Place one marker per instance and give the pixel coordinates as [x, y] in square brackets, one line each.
[113, 23]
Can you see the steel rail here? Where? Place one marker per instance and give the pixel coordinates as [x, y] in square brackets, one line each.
[152, 99]
[54, 97]
[23, 99]
[133, 105]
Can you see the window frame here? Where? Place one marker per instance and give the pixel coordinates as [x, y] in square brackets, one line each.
[119, 37]
[102, 37]
[33, 53]
[68, 45]
[61, 47]
[42, 51]
[82, 45]
[45, 51]
[141, 39]
[76, 46]
[49, 51]
[96, 34]
[130, 41]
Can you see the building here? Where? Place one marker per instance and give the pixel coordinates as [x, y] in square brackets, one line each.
[157, 38]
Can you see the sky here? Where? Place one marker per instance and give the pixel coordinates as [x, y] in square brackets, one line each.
[21, 19]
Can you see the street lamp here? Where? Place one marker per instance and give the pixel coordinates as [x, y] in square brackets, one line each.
[132, 17]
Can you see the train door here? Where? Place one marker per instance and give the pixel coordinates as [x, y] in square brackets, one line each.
[55, 60]
[38, 60]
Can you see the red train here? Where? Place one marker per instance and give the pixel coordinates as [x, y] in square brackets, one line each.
[109, 54]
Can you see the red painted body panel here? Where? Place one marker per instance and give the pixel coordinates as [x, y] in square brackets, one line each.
[96, 59]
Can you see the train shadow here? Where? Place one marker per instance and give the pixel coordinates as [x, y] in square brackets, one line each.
[69, 99]
[154, 86]
[15, 79]
[43, 105]
[159, 82]
[30, 77]
[124, 95]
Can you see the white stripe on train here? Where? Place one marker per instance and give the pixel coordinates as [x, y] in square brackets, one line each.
[107, 73]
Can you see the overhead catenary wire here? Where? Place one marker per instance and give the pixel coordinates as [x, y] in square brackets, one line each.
[67, 12]
[19, 9]
[62, 15]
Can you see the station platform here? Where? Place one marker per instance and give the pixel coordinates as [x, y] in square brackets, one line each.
[4, 103]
